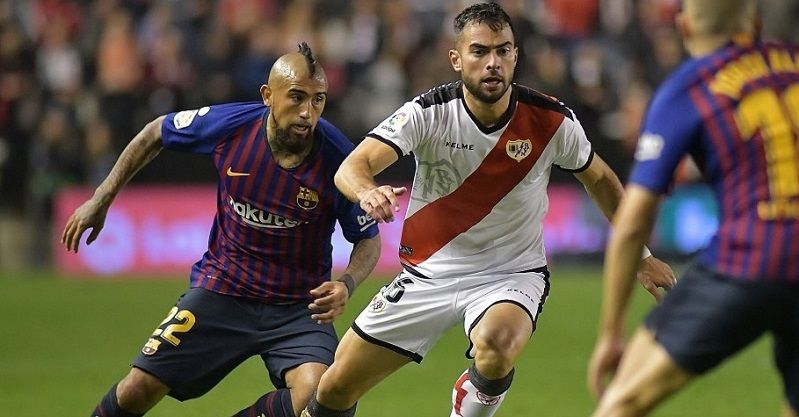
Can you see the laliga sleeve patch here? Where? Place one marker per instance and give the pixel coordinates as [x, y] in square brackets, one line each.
[649, 147]
[184, 118]
[395, 122]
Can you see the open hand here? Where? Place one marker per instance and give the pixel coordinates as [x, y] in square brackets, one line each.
[604, 361]
[90, 215]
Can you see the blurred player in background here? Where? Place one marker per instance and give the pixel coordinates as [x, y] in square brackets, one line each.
[735, 108]
[471, 247]
[269, 252]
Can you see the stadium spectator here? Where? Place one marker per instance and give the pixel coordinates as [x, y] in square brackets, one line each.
[471, 247]
[264, 285]
[18, 94]
[114, 42]
[55, 161]
[120, 72]
[729, 107]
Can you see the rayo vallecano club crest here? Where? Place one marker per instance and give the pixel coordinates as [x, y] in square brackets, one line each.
[519, 149]
[307, 198]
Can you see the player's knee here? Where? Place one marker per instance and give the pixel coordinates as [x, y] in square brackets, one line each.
[302, 381]
[300, 395]
[496, 350]
[140, 391]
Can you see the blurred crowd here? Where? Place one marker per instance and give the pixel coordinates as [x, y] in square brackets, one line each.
[79, 78]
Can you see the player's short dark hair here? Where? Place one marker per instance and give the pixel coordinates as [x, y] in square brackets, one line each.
[306, 51]
[490, 14]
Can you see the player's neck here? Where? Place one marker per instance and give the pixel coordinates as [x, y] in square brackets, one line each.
[284, 157]
[700, 46]
[487, 113]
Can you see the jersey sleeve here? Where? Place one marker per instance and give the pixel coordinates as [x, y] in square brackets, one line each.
[403, 130]
[575, 151]
[355, 224]
[200, 130]
[670, 128]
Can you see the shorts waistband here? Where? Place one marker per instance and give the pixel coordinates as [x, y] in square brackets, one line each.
[543, 270]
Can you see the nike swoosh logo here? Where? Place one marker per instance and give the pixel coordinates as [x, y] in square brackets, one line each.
[232, 173]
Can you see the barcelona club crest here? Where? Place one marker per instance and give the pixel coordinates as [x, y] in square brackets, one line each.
[519, 149]
[151, 347]
[307, 198]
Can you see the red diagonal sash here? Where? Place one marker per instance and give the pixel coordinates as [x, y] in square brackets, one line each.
[436, 224]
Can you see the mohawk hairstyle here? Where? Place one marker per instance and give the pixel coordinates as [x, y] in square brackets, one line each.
[306, 51]
[489, 13]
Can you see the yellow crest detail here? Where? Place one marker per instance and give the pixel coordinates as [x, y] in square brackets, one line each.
[307, 198]
[519, 149]
[151, 347]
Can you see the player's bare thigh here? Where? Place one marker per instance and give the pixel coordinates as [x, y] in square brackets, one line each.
[358, 366]
[646, 376]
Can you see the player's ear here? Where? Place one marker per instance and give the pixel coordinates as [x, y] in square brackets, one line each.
[266, 94]
[455, 60]
[683, 25]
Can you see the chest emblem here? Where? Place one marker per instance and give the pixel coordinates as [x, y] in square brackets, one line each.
[519, 149]
[307, 198]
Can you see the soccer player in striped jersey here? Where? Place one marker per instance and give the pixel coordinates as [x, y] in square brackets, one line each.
[471, 246]
[264, 285]
[734, 107]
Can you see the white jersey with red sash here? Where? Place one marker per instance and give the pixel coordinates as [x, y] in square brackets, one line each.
[479, 195]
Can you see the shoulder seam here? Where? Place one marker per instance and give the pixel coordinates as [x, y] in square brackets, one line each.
[439, 95]
[535, 98]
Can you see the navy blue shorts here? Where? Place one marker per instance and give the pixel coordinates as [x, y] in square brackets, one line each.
[708, 317]
[206, 335]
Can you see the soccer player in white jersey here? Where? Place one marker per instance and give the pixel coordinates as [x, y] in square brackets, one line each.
[471, 248]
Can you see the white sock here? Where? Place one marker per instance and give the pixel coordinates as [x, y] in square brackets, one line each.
[468, 401]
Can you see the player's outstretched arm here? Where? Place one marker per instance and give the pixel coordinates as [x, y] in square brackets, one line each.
[91, 214]
[355, 179]
[632, 226]
[332, 296]
[606, 190]
[602, 185]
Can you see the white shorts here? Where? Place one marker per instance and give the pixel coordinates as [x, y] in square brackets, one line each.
[409, 315]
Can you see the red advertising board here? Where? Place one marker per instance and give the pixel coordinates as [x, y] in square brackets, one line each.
[163, 230]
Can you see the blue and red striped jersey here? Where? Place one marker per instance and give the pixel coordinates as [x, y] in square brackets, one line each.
[736, 112]
[271, 237]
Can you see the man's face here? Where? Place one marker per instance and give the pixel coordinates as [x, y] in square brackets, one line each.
[296, 107]
[486, 60]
